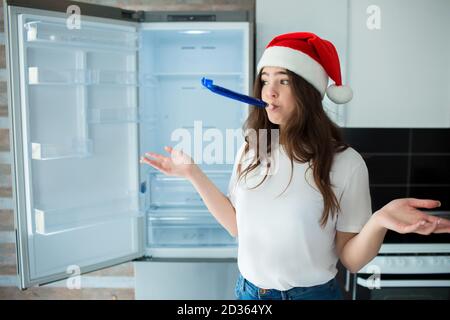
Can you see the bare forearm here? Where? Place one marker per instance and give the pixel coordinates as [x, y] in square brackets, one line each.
[362, 248]
[216, 202]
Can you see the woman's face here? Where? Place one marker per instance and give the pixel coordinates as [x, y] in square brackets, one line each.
[277, 92]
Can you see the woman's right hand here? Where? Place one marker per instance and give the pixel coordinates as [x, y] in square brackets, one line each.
[177, 164]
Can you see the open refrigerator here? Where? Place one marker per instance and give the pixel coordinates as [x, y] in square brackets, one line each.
[86, 103]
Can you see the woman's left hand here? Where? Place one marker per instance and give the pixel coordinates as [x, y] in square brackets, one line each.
[403, 216]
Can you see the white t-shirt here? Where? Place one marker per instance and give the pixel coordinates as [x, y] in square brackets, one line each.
[281, 244]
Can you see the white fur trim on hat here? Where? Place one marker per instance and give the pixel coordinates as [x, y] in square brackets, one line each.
[339, 94]
[297, 62]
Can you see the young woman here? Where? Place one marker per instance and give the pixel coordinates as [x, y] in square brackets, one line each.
[305, 203]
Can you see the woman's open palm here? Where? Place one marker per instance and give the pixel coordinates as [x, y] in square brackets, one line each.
[177, 164]
[403, 216]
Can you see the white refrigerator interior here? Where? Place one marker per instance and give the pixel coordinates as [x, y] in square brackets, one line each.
[173, 59]
[86, 103]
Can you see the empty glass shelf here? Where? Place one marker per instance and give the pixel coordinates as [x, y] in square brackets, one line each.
[178, 192]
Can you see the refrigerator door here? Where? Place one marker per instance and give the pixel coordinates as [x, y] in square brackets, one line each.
[73, 97]
[181, 113]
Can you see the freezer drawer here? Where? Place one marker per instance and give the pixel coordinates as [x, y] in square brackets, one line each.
[168, 191]
[186, 228]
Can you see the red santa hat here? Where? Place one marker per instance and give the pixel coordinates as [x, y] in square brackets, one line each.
[310, 57]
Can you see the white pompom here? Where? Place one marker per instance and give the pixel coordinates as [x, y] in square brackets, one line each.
[339, 94]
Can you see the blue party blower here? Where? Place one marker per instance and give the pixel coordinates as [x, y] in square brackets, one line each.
[233, 95]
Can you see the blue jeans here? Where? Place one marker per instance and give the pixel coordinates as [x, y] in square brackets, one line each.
[245, 290]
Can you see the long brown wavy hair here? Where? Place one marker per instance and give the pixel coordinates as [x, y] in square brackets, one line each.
[308, 136]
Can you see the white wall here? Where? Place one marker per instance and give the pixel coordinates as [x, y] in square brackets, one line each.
[400, 73]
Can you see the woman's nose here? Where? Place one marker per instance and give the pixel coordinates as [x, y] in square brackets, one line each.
[271, 92]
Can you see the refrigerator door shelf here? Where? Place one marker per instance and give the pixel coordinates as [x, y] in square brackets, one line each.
[90, 248]
[46, 76]
[49, 221]
[59, 34]
[77, 148]
[43, 76]
[195, 231]
[178, 192]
